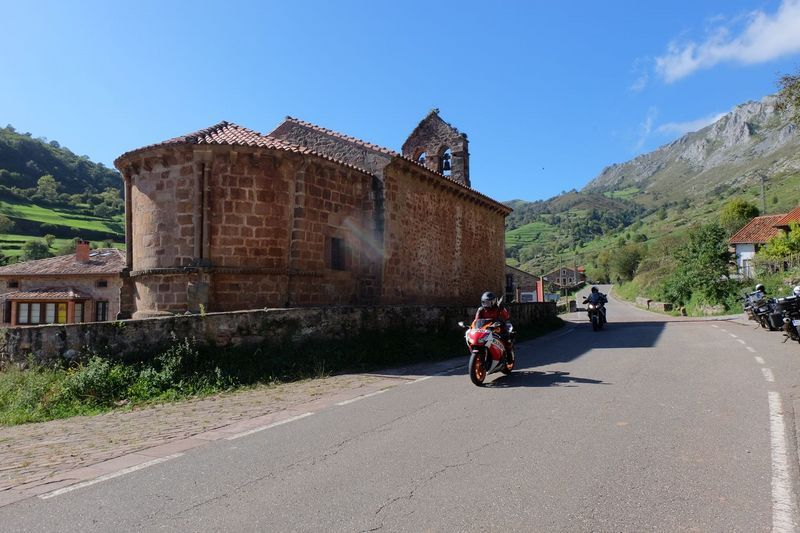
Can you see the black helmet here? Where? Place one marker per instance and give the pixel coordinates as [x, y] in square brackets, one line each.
[760, 287]
[594, 289]
[488, 299]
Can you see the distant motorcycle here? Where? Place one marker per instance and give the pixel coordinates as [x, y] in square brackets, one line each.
[489, 353]
[597, 314]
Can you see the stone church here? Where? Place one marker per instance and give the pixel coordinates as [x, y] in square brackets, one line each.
[226, 218]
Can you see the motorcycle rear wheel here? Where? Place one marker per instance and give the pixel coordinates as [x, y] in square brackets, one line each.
[477, 372]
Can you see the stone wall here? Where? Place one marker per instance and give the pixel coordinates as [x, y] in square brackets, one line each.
[442, 244]
[141, 339]
[242, 228]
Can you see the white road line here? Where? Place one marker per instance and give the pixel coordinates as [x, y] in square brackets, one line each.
[732, 335]
[759, 360]
[751, 350]
[421, 379]
[357, 398]
[768, 375]
[262, 428]
[741, 341]
[106, 477]
[714, 326]
[782, 496]
[723, 329]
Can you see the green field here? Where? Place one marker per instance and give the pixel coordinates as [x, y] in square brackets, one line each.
[62, 217]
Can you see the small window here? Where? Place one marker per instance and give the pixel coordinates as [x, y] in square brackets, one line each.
[50, 313]
[101, 284]
[101, 311]
[337, 254]
[61, 316]
[78, 312]
[509, 281]
[13, 284]
[23, 314]
[36, 313]
[7, 312]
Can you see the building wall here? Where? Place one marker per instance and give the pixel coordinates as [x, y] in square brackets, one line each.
[83, 283]
[441, 244]
[264, 238]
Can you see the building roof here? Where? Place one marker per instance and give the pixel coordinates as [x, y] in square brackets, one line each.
[509, 267]
[757, 231]
[342, 136]
[103, 261]
[791, 216]
[52, 293]
[229, 134]
[391, 153]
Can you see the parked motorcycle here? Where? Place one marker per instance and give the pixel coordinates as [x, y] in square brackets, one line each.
[488, 352]
[762, 310]
[789, 308]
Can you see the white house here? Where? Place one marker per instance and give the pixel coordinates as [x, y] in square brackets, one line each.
[750, 238]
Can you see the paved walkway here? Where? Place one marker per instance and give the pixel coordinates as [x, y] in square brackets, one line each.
[38, 458]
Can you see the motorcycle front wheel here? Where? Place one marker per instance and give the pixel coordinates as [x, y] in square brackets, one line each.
[477, 372]
[595, 323]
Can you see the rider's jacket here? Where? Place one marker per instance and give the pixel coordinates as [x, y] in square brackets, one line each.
[498, 313]
[596, 298]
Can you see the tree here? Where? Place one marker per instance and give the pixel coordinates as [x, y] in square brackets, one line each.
[35, 250]
[47, 186]
[782, 245]
[49, 239]
[789, 95]
[5, 224]
[702, 266]
[736, 213]
[625, 260]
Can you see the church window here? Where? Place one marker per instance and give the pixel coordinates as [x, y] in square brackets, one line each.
[445, 163]
[422, 157]
[337, 254]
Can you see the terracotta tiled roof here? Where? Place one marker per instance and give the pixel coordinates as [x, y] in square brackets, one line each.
[389, 152]
[348, 138]
[101, 261]
[757, 231]
[791, 216]
[56, 293]
[230, 134]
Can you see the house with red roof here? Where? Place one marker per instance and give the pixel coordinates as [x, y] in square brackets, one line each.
[754, 235]
[80, 287]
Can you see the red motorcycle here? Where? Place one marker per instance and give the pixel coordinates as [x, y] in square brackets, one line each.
[489, 353]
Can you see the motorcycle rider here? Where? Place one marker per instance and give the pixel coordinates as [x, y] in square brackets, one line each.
[598, 298]
[491, 310]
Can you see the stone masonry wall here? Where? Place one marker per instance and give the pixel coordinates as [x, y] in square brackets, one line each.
[441, 246]
[143, 339]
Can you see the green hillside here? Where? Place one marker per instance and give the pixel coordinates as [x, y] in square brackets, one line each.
[45, 189]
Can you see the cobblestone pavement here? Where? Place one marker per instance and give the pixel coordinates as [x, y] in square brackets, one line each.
[36, 458]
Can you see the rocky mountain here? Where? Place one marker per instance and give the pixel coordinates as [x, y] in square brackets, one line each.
[750, 142]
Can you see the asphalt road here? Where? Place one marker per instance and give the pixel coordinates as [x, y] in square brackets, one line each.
[653, 424]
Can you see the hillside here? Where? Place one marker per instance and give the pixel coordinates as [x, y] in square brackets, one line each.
[661, 194]
[45, 189]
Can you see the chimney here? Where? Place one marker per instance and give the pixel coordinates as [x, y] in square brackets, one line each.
[82, 251]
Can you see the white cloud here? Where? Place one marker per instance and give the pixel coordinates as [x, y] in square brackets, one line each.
[640, 69]
[764, 37]
[682, 128]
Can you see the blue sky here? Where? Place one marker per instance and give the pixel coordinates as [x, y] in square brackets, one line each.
[549, 93]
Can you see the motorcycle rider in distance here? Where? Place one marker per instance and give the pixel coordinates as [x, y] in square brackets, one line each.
[491, 310]
[598, 298]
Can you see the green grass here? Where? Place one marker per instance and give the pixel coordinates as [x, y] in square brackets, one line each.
[60, 217]
[11, 244]
[530, 232]
[624, 194]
